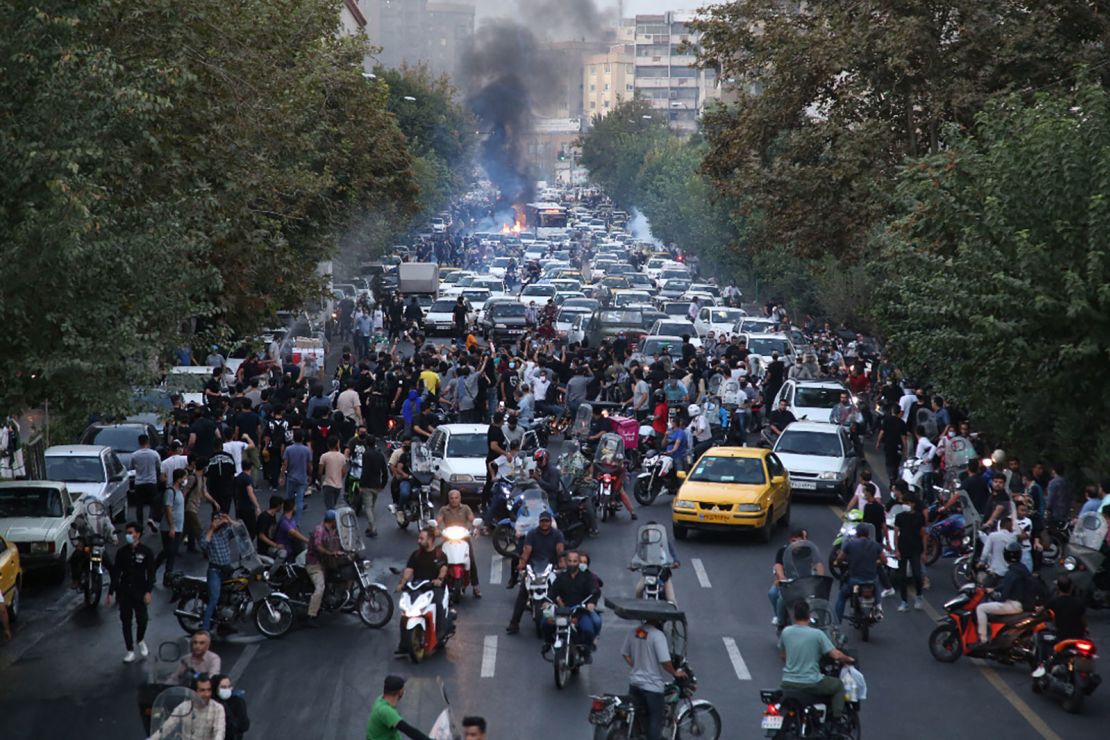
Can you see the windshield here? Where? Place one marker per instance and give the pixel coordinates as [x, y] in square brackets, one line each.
[674, 328]
[627, 299]
[676, 309]
[467, 445]
[743, 470]
[725, 315]
[186, 382]
[766, 346]
[476, 295]
[443, 307]
[30, 502]
[566, 316]
[547, 290]
[506, 310]
[75, 469]
[820, 444]
[655, 345]
[500, 262]
[120, 439]
[625, 318]
[756, 324]
[587, 303]
[822, 398]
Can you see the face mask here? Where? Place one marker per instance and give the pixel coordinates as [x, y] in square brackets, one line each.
[583, 567]
[129, 538]
[224, 694]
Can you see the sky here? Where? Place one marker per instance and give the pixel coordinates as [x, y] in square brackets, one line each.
[631, 7]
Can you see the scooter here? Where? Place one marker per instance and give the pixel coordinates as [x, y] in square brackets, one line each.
[657, 474]
[1069, 671]
[456, 548]
[421, 633]
[1012, 636]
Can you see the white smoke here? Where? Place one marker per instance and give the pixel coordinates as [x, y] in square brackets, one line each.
[640, 228]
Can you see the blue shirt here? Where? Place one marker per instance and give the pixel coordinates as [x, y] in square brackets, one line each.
[297, 458]
[219, 548]
[680, 436]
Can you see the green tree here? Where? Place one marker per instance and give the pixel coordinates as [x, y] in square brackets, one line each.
[614, 148]
[833, 96]
[165, 161]
[994, 282]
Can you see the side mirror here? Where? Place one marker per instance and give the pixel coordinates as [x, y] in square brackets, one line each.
[681, 475]
[779, 480]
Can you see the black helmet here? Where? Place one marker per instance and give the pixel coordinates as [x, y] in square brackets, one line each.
[1012, 552]
[659, 395]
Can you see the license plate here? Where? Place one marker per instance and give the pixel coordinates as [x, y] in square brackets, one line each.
[561, 621]
[804, 485]
[772, 722]
[712, 517]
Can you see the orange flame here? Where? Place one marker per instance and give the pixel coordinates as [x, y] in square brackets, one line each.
[518, 224]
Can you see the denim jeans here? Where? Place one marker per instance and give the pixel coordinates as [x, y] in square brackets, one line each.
[587, 628]
[215, 579]
[652, 703]
[405, 488]
[773, 597]
[845, 591]
[294, 489]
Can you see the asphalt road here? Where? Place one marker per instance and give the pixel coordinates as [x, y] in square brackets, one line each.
[61, 677]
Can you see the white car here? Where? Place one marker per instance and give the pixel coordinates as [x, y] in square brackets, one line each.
[535, 252]
[625, 298]
[458, 458]
[754, 324]
[763, 345]
[538, 292]
[673, 328]
[811, 400]
[563, 296]
[189, 381]
[495, 286]
[35, 516]
[578, 327]
[819, 457]
[565, 318]
[91, 470]
[718, 320]
[440, 317]
[498, 267]
[476, 297]
[704, 298]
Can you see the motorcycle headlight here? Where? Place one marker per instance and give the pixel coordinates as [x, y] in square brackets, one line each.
[828, 475]
[461, 478]
[682, 504]
[1069, 563]
[749, 507]
[412, 613]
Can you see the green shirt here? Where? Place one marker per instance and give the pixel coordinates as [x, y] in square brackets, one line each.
[383, 721]
[804, 647]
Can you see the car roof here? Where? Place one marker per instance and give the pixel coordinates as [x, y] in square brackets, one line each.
[465, 428]
[75, 450]
[765, 335]
[820, 384]
[759, 452]
[811, 426]
[119, 425]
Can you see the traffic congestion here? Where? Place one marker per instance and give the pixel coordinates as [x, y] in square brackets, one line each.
[535, 474]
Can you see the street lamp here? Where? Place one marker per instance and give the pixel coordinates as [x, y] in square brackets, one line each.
[646, 117]
[409, 98]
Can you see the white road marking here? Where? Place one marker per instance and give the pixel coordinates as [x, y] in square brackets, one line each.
[241, 664]
[738, 663]
[699, 569]
[495, 569]
[489, 656]
[331, 717]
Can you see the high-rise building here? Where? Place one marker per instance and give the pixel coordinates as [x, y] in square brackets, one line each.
[417, 32]
[607, 79]
[664, 69]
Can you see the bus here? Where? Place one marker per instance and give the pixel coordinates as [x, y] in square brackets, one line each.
[545, 219]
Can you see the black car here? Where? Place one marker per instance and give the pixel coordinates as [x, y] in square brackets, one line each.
[609, 323]
[505, 322]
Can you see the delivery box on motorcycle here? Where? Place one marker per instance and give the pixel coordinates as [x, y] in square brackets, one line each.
[627, 428]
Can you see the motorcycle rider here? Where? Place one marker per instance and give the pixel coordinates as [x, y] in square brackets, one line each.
[456, 513]
[426, 563]
[802, 647]
[1013, 590]
[1069, 617]
[543, 544]
[647, 653]
[324, 550]
[132, 576]
[864, 557]
[844, 412]
[547, 475]
[200, 660]
[614, 467]
[780, 418]
[777, 605]
[82, 529]
[573, 587]
[665, 575]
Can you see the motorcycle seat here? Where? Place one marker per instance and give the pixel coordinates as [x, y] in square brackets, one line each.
[802, 698]
[1006, 618]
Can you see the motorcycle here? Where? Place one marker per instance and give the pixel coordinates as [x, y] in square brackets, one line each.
[89, 536]
[1069, 671]
[654, 560]
[421, 632]
[347, 588]
[791, 713]
[539, 577]
[954, 535]
[609, 471]
[245, 594]
[657, 474]
[523, 516]
[620, 715]
[418, 509]
[568, 653]
[1082, 560]
[456, 548]
[1012, 636]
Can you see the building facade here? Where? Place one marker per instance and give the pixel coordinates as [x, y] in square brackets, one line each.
[607, 79]
[664, 72]
[414, 32]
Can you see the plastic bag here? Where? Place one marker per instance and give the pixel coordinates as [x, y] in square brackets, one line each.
[855, 685]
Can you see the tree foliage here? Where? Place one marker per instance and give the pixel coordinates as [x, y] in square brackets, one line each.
[616, 145]
[833, 96]
[162, 161]
[995, 279]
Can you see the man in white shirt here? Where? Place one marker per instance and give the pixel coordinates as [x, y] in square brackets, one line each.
[350, 405]
[906, 402]
[175, 461]
[995, 545]
[234, 448]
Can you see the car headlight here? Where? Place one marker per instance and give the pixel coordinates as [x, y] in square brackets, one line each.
[828, 475]
[462, 478]
[42, 547]
[1069, 563]
[749, 507]
[681, 504]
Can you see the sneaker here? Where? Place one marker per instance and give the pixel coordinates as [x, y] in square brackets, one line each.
[887, 593]
[143, 651]
[775, 621]
[1039, 673]
[918, 603]
[477, 593]
[634, 517]
[129, 657]
[903, 607]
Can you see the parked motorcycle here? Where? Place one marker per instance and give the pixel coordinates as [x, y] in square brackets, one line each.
[245, 595]
[1012, 636]
[568, 653]
[422, 632]
[89, 536]
[656, 476]
[1069, 671]
[790, 714]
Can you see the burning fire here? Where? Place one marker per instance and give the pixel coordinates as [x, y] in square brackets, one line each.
[518, 223]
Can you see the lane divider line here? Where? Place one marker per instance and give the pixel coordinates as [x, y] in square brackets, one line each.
[242, 663]
[699, 570]
[495, 569]
[489, 656]
[738, 664]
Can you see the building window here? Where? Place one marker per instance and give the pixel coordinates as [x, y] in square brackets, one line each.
[593, 88]
[606, 87]
[606, 68]
[593, 105]
[606, 103]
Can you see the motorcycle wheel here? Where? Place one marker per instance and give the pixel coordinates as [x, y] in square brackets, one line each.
[94, 585]
[701, 722]
[609, 732]
[643, 492]
[416, 644]
[933, 549]
[273, 617]
[604, 511]
[963, 573]
[454, 593]
[375, 606]
[504, 540]
[562, 667]
[1074, 703]
[865, 629]
[194, 605]
[632, 459]
[837, 571]
[945, 644]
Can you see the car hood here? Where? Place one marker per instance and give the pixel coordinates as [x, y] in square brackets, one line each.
[812, 463]
[30, 529]
[437, 316]
[465, 465]
[812, 413]
[721, 493]
[98, 490]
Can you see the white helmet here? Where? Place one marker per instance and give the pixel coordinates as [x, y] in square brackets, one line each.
[694, 410]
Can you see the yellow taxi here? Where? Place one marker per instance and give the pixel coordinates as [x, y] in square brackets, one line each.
[731, 489]
[11, 576]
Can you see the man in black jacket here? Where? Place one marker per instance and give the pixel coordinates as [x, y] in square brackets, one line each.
[133, 580]
[372, 481]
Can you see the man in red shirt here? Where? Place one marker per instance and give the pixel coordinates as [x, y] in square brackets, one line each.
[659, 419]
